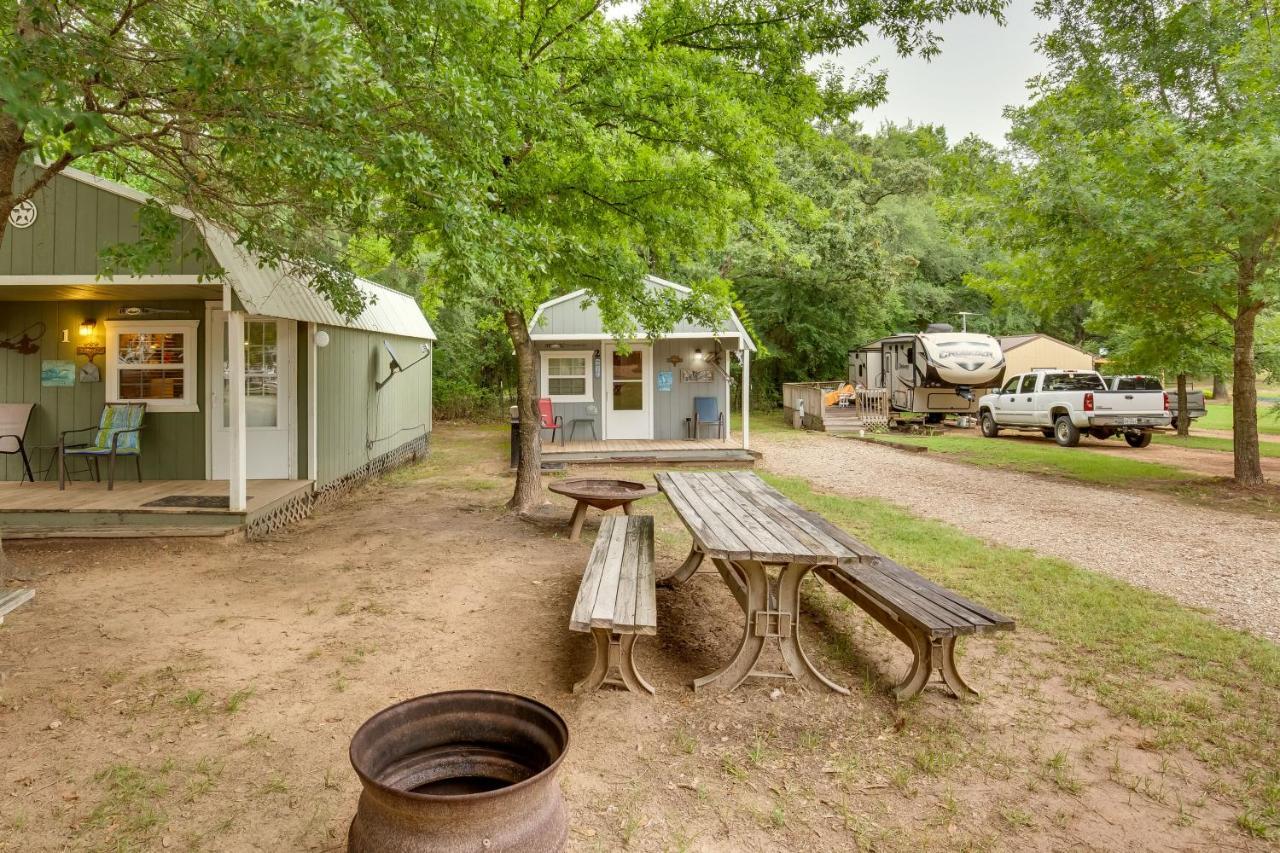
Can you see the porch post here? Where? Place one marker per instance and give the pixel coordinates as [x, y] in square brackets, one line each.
[746, 398]
[238, 468]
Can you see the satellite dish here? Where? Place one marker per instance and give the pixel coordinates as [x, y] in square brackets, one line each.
[395, 362]
[395, 367]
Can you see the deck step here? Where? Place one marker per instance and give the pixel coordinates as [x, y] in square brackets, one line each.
[114, 532]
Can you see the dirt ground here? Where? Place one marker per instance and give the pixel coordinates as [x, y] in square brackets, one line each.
[1224, 562]
[190, 696]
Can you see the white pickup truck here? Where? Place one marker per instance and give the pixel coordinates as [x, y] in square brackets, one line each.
[1064, 404]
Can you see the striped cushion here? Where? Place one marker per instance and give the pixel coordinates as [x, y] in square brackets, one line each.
[116, 417]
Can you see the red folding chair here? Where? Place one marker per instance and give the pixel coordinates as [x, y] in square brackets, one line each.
[548, 420]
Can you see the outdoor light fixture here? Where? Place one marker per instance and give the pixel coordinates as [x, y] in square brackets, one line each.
[322, 339]
[697, 354]
[87, 326]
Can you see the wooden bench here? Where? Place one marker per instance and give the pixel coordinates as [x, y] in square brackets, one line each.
[925, 616]
[616, 601]
[13, 599]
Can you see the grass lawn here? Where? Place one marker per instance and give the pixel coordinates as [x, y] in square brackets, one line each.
[1208, 442]
[1218, 416]
[1210, 690]
[1047, 458]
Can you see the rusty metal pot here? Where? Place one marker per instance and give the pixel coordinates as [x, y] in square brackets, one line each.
[467, 770]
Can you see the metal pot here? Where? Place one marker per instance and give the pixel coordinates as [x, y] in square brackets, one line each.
[467, 770]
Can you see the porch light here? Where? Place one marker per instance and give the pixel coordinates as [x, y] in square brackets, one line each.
[87, 326]
[322, 339]
[697, 354]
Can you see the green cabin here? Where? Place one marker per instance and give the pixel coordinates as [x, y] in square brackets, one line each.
[261, 399]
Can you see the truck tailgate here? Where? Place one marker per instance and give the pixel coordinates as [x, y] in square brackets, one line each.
[1129, 407]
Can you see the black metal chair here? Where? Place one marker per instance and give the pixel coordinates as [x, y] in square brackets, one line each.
[117, 434]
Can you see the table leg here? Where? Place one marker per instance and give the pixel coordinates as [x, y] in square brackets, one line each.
[771, 610]
[789, 580]
[626, 509]
[575, 523]
[686, 570]
[744, 660]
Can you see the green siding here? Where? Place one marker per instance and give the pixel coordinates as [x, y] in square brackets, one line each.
[75, 222]
[355, 421]
[172, 442]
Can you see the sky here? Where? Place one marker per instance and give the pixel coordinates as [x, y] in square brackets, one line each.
[982, 68]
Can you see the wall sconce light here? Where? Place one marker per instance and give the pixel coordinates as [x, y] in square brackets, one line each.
[697, 354]
[322, 339]
[87, 326]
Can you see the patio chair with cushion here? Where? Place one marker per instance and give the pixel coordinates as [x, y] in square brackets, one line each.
[548, 420]
[14, 419]
[116, 435]
[706, 412]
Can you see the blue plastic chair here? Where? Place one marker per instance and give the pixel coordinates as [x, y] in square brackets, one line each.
[706, 412]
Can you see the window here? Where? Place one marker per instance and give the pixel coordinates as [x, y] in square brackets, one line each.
[153, 362]
[566, 376]
[1011, 387]
[1073, 382]
[1138, 383]
[1029, 383]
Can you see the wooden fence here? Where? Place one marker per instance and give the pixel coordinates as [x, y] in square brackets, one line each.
[867, 407]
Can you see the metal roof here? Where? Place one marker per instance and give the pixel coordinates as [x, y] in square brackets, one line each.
[279, 292]
[739, 330]
[1008, 342]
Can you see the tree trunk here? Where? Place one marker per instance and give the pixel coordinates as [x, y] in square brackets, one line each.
[1244, 415]
[1184, 416]
[528, 493]
[1221, 394]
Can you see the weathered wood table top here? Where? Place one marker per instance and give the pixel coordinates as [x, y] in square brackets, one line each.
[734, 515]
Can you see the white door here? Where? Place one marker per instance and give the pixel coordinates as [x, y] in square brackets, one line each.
[269, 398]
[628, 397]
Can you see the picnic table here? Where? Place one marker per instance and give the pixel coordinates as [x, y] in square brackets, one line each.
[748, 530]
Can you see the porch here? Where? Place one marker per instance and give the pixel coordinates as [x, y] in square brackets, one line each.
[644, 451]
[151, 508]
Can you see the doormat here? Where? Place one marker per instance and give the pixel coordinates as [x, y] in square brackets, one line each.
[195, 501]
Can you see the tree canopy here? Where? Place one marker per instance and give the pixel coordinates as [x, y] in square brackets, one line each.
[1150, 183]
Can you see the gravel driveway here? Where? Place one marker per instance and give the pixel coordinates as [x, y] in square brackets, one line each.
[1224, 562]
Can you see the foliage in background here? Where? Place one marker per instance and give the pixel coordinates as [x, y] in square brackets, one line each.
[1149, 182]
[608, 142]
[260, 117]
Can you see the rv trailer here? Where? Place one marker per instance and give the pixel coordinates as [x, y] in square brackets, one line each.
[934, 373]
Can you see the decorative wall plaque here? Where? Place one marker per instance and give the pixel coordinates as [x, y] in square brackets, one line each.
[23, 214]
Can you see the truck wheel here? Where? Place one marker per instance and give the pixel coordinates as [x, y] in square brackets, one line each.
[1065, 432]
[989, 427]
[1047, 432]
[1138, 439]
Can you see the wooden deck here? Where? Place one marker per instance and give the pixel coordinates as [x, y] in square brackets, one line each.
[86, 509]
[639, 451]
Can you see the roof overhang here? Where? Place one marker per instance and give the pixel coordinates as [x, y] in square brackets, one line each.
[737, 330]
[273, 291]
[66, 288]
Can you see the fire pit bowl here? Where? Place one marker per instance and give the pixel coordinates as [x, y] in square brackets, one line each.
[602, 494]
[467, 770]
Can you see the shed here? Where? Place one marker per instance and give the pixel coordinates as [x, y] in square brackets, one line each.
[260, 397]
[1024, 353]
[641, 390]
